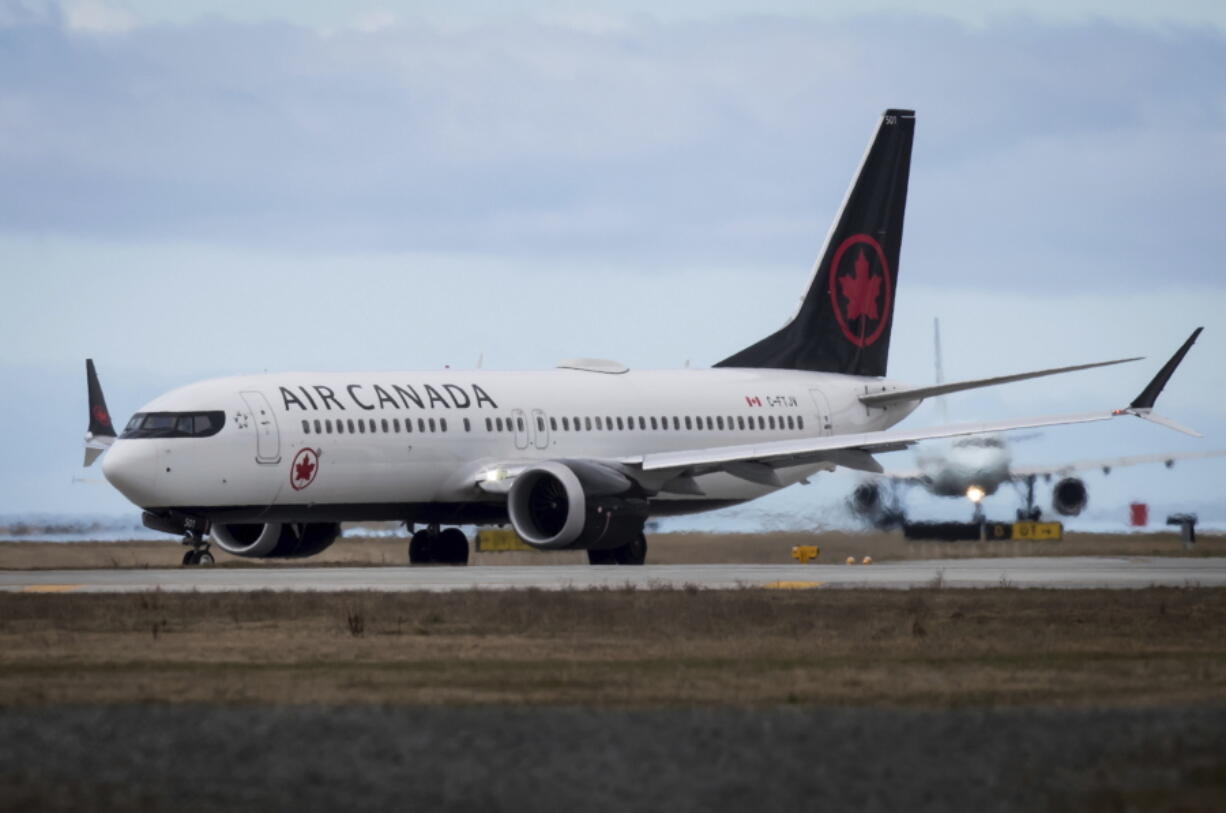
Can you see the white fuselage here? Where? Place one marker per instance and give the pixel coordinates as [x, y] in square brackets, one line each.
[413, 445]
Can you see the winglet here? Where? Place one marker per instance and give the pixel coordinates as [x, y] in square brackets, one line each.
[1149, 395]
[1143, 405]
[101, 432]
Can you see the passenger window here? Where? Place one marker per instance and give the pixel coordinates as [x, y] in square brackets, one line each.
[587, 423]
[385, 429]
[468, 427]
[790, 422]
[761, 422]
[421, 424]
[553, 424]
[771, 420]
[664, 422]
[599, 424]
[498, 423]
[306, 426]
[431, 425]
[565, 424]
[578, 425]
[340, 427]
[317, 427]
[621, 427]
[719, 421]
[489, 425]
[396, 425]
[351, 430]
[676, 423]
[519, 423]
[442, 424]
[540, 424]
[361, 426]
[642, 423]
[688, 423]
[740, 422]
[654, 426]
[408, 425]
[608, 422]
[328, 426]
[800, 422]
[374, 427]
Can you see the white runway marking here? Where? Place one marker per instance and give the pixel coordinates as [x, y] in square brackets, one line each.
[1070, 572]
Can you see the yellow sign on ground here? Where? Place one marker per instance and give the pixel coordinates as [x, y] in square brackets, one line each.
[803, 553]
[499, 540]
[1048, 531]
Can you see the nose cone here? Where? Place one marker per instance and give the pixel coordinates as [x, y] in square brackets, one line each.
[128, 465]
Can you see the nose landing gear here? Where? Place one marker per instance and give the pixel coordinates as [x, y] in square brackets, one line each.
[199, 553]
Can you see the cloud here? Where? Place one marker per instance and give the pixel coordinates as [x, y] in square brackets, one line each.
[1070, 155]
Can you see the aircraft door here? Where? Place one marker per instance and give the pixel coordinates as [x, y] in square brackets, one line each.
[268, 436]
[824, 425]
[520, 423]
[540, 426]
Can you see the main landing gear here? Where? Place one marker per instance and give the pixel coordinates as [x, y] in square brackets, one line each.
[633, 552]
[431, 546]
[199, 552]
[1031, 512]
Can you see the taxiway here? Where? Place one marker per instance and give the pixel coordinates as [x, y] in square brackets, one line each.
[1063, 572]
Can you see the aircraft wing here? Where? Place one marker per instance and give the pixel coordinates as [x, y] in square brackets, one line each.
[757, 461]
[1106, 464]
[850, 451]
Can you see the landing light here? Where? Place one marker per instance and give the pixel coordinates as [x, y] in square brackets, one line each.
[495, 475]
[974, 493]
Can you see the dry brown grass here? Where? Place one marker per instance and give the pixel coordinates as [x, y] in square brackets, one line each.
[930, 648]
[675, 548]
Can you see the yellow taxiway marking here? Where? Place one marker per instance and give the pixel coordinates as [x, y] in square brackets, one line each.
[50, 588]
[791, 585]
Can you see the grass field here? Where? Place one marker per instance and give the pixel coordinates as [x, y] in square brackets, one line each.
[927, 648]
[673, 548]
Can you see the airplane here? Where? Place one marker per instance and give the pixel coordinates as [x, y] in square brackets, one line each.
[578, 457]
[976, 466]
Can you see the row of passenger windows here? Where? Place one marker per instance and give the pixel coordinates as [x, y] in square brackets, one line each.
[664, 423]
[360, 426]
[717, 423]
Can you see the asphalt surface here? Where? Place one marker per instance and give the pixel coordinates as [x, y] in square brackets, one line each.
[1067, 572]
[201, 758]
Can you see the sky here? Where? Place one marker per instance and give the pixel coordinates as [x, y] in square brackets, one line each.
[199, 189]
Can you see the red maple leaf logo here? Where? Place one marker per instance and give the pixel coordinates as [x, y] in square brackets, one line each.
[100, 415]
[861, 290]
[305, 468]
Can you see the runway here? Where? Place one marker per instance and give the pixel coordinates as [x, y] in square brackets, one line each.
[1056, 572]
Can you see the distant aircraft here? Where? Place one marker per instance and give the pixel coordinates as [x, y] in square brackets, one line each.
[975, 467]
[578, 457]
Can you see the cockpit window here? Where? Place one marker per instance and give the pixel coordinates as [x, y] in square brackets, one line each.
[174, 424]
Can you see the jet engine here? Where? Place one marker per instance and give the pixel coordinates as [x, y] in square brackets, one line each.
[877, 504]
[1069, 497]
[575, 505]
[276, 540]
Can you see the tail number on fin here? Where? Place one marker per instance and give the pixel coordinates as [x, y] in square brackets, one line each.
[860, 289]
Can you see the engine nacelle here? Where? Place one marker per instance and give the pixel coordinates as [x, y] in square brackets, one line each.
[575, 505]
[866, 499]
[1069, 497]
[275, 540]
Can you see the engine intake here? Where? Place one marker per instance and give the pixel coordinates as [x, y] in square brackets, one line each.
[276, 540]
[575, 505]
[1069, 497]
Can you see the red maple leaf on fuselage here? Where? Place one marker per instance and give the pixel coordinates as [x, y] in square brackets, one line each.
[861, 290]
[304, 469]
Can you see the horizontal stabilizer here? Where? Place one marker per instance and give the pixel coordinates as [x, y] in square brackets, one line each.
[920, 393]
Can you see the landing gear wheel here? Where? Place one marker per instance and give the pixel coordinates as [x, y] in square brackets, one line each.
[450, 547]
[633, 552]
[204, 558]
[189, 558]
[601, 557]
[420, 548]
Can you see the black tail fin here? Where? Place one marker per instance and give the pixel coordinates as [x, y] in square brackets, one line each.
[99, 418]
[843, 324]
